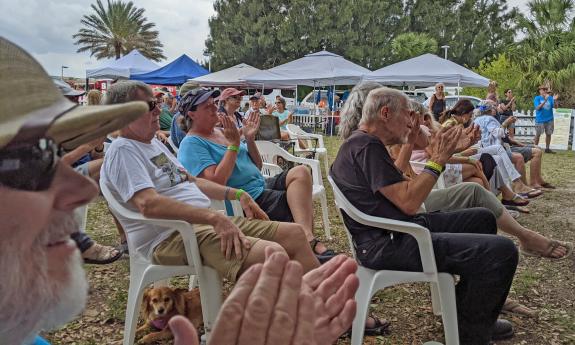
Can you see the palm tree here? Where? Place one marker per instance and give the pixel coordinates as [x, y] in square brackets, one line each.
[116, 30]
[546, 54]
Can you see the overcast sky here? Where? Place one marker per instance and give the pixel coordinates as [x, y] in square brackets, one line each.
[45, 29]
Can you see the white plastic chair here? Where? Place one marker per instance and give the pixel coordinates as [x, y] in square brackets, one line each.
[269, 150]
[370, 281]
[143, 272]
[314, 143]
[173, 145]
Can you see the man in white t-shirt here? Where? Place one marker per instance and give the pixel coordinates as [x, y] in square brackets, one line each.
[145, 177]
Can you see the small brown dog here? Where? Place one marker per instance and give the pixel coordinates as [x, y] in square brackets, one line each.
[158, 307]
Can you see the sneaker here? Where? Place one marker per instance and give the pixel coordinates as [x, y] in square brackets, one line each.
[550, 151]
[502, 330]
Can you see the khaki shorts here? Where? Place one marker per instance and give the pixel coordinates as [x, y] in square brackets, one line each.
[171, 251]
[547, 127]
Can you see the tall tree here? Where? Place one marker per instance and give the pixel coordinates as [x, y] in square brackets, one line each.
[411, 44]
[474, 29]
[546, 54]
[117, 29]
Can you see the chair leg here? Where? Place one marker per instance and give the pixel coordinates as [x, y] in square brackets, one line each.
[435, 300]
[135, 293]
[193, 282]
[326, 165]
[363, 298]
[211, 297]
[325, 216]
[449, 308]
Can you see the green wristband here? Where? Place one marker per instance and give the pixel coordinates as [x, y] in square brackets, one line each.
[239, 193]
[234, 148]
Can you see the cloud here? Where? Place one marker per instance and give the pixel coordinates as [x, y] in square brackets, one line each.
[45, 29]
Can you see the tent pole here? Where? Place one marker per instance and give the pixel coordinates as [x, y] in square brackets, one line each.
[332, 111]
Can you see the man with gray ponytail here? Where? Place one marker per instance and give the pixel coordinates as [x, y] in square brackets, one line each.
[465, 241]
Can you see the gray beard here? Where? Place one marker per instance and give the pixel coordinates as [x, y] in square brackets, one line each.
[30, 301]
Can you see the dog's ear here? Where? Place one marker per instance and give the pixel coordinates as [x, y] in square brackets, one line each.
[179, 301]
[145, 310]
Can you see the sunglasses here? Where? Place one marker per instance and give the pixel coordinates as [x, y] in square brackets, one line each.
[29, 167]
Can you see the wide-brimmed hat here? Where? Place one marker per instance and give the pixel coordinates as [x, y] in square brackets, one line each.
[187, 86]
[230, 92]
[33, 107]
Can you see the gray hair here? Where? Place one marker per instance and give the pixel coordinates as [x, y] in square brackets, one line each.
[379, 98]
[417, 107]
[126, 91]
[351, 110]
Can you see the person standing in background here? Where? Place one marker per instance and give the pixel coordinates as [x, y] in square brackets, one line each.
[544, 104]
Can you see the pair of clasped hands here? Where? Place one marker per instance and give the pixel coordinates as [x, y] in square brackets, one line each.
[274, 303]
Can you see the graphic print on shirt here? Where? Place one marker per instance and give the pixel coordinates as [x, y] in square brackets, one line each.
[177, 175]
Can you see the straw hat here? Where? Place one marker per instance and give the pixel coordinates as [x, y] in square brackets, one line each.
[30, 103]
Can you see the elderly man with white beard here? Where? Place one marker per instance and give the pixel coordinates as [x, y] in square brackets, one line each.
[42, 283]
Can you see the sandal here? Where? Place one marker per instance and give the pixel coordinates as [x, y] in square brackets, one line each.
[513, 307]
[101, 255]
[553, 244]
[324, 257]
[380, 328]
[517, 208]
[530, 194]
[517, 200]
[547, 185]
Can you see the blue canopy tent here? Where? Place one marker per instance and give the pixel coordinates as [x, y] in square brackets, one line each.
[176, 72]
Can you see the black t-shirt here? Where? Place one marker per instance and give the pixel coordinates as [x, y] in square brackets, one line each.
[507, 112]
[363, 166]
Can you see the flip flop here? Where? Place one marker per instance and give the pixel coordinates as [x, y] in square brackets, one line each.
[517, 200]
[517, 208]
[550, 248]
[102, 255]
[513, 307]
[380, 328]
[531, 194]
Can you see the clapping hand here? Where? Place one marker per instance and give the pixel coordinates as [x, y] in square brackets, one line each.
[231, 132]
[415, 129]
[251, 126]
[445, 143]
[470, 136]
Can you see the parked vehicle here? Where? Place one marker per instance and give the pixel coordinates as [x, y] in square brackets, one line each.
[451, 100]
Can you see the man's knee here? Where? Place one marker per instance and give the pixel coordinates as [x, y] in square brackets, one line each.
[505, 250]
[274, 247]
[486, 219]
[291, 236]
[301, 172]
[536, 152]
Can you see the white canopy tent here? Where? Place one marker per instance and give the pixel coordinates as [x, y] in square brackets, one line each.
[234, 76]
[426, 70]
[130, 64]
[318, 69]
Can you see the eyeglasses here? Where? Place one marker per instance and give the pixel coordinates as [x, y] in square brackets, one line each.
[152, 105]
[29, 167]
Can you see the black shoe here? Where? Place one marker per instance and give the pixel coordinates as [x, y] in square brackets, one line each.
[502, 330]
[549, 151]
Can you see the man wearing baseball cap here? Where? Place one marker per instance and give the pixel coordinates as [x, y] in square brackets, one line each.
[544, 104]
[255, 102]
[43, 284]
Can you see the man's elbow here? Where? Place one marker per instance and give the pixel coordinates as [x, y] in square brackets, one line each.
[147, 207]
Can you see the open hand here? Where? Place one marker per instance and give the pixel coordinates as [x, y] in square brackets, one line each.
[231, 132]
[414, 133]
[445, 143]
[232, 239]
[251, 126]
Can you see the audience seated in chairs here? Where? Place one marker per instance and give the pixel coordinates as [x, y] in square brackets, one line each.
[218, 154]
[465, 241]
[145, 176]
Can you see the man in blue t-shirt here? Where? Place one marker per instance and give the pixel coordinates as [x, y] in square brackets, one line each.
[544, 104]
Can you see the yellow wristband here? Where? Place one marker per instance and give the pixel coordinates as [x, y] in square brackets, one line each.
[239, 193]
[434, 165]
[234, 148]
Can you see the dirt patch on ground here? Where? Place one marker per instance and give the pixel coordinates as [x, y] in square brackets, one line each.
[545, 285]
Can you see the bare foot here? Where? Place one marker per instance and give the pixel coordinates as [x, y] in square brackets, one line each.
[536, 243]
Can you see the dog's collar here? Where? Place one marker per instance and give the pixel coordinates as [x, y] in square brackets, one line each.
[162, 322]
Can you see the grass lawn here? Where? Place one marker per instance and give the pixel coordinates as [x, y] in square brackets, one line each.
[545, 285]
